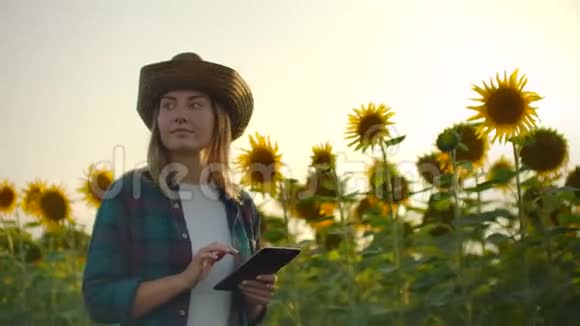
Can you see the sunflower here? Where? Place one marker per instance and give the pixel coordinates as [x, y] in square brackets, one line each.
[538, 208]
[323, 157]
[475, 146]
[95, 184]
[448, 140]
[261, 165]
[573, 180]
[321, 183]
[439, 214]
[7, 197]
[31, 201]
[55, 207]
[325, 209]
[501, 173]
[432, 166]
[312, 209]
[505, 107]
[370, 204]
[545, 151]
[399, 184]
[368, 126]
[440, 209]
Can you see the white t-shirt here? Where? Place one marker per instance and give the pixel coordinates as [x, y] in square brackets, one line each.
[206, 220]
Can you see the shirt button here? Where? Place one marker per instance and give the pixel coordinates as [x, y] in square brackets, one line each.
[181, 312]
[184, 235]
[176, 205]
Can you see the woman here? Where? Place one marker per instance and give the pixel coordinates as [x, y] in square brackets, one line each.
[165, 235]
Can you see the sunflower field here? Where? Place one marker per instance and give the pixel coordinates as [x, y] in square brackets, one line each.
[479, 244]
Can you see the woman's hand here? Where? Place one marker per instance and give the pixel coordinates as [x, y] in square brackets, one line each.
[258, 293]
[203, 261]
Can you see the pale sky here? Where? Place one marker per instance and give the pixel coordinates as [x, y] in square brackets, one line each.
[69, 72]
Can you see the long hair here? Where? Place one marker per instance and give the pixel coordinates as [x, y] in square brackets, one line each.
[215, 157]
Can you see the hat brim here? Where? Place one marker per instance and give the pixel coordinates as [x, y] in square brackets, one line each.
[220, 82]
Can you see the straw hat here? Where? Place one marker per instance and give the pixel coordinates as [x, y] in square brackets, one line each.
[188, 71]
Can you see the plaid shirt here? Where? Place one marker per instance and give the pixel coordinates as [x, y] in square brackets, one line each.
[140, 234]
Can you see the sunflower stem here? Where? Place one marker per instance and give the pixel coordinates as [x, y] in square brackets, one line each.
[394, 219]
[52, 283]
[522, 218]
[22, 257]
[458, 231]
[479, 208]
[284, 194]
[8, 234]
[523, 222]
[349, 257]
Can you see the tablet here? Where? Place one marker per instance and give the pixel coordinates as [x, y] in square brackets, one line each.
[267, 260]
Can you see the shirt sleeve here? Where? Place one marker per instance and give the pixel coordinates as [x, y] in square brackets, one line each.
[108, 288]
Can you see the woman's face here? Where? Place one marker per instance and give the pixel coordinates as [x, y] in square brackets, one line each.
[185, 120]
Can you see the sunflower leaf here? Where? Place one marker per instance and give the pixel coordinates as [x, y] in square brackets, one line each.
[394, 141]
[467, 165]
[274, 235]
[484, 186]
[416, 209]
[463, 147]
[31, 224]
[560, 229]
[420, 191]
[569, 219]
[484, 217]
[498, 238]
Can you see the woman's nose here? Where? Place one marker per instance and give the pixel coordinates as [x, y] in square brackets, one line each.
[180, 119]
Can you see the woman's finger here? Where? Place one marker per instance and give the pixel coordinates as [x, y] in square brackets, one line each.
[258, 284]
[208, 256]
[257, 298]
[263, 292]
[270, 278]
[220, 247]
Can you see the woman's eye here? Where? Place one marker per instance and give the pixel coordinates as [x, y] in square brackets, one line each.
[167, 105]
[195, 105]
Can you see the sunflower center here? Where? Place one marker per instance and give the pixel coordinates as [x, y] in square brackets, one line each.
[545, 152]
[506, 106]
[7, 197]
[262, 168]
[371, 127]
[103, 181]
[54, 206]
[501, 173]
[399, 189]
[474, 144]
[322, 158]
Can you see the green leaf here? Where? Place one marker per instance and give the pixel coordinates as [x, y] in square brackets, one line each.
[569, 219]
[463, 147]
[31, 224]
[373, 252]
[497, 238]
[420, 191]
[416, 209]
[323, 198]
[387, 269]
[560, 229]
[274, 235]
[484, 217]
[467, 165]
[394, 141]
[432, 279]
